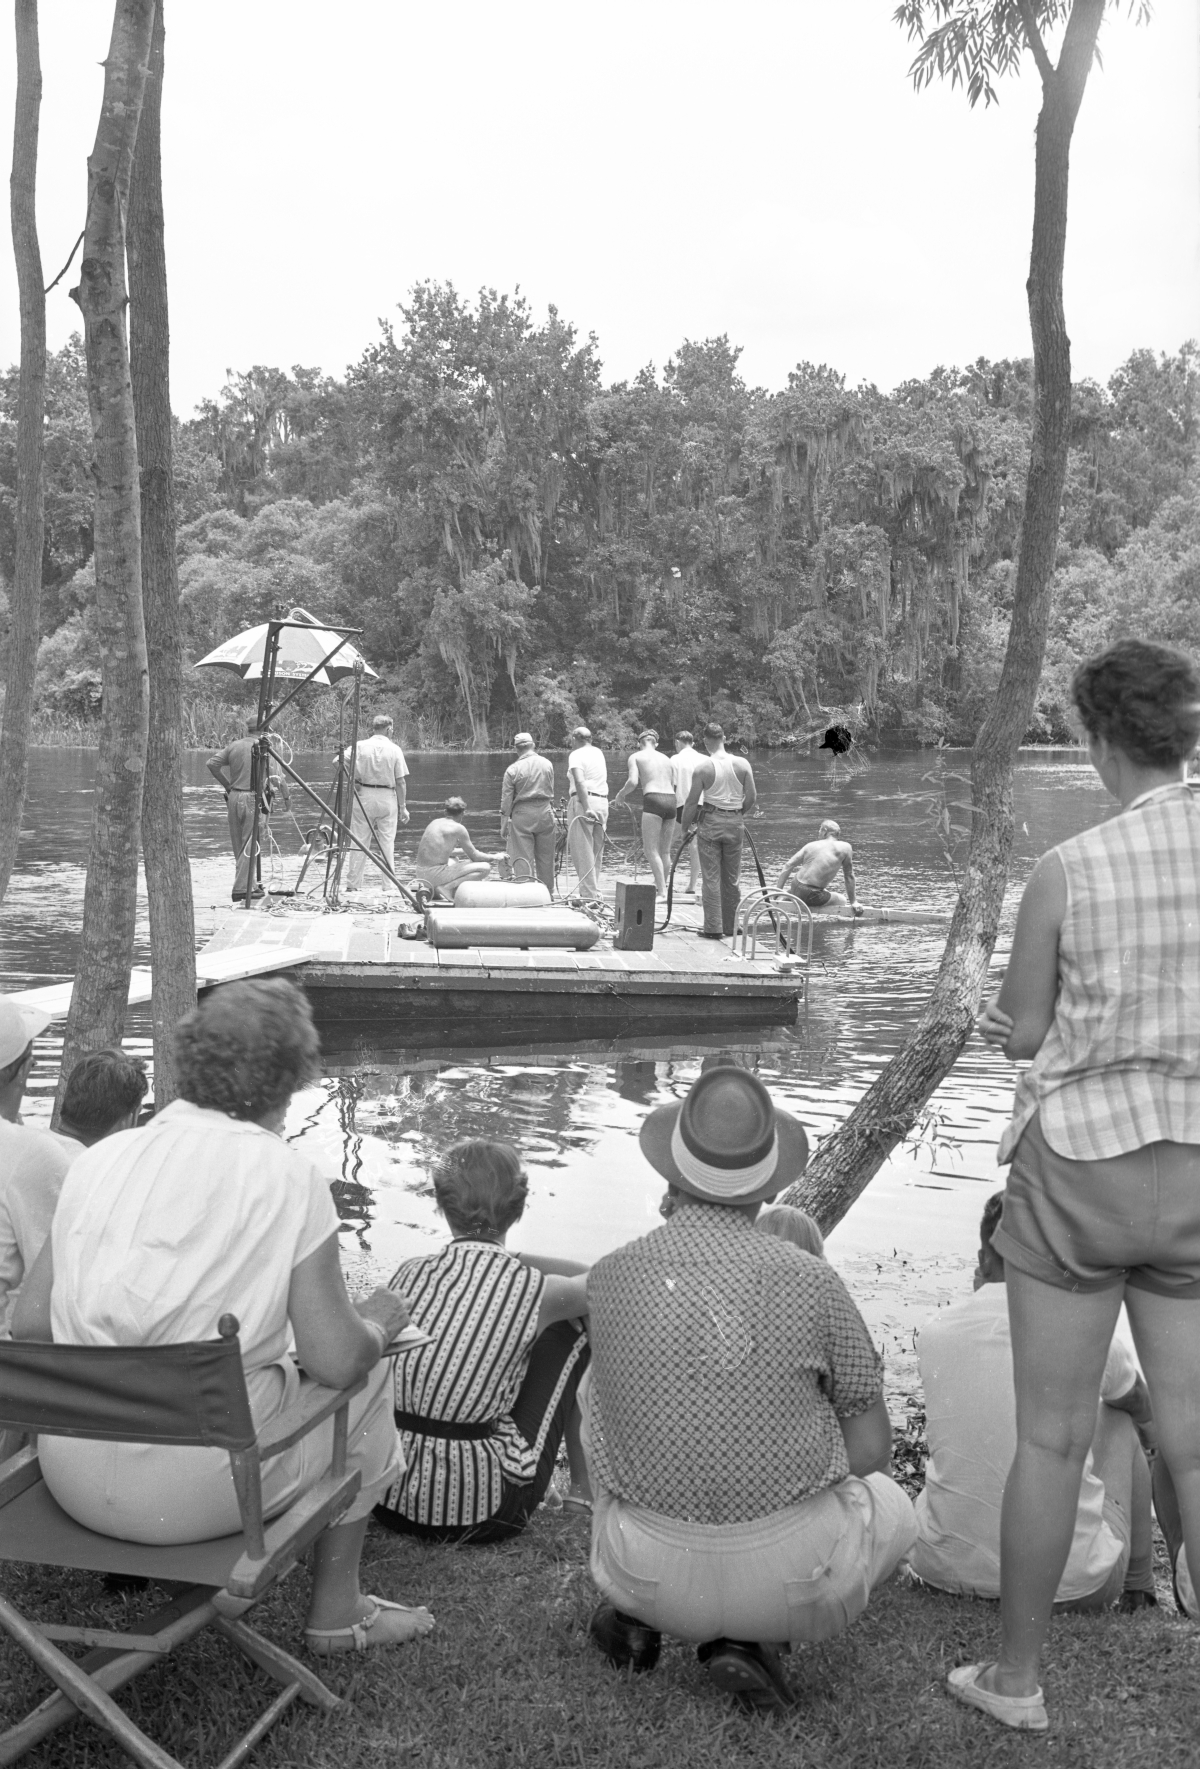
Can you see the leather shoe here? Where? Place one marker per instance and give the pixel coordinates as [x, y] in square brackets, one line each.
[1129, 1601]
[624, 1640]
[750, 1671]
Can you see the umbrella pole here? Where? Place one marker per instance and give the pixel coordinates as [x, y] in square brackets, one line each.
[333, 854]
[257, 758]
[346, 781]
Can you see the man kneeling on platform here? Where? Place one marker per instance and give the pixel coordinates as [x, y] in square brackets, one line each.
[447, 857]
[734, 1426]
[966, 1362]
[813, 868]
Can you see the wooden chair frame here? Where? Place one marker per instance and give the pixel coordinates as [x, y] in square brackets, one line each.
[268, 1551]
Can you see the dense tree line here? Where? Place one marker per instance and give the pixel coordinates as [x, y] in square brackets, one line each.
[524, 545]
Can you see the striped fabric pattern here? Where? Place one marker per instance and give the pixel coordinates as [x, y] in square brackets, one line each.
[1120, 1066]
[480, 1306]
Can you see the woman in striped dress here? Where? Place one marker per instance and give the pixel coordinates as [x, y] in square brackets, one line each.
[1103, 1200]
[483, 1408]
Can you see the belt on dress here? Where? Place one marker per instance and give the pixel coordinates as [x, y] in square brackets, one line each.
[373, 786]
[471, 1431]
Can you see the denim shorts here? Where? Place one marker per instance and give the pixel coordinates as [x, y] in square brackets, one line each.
[1090, 1225]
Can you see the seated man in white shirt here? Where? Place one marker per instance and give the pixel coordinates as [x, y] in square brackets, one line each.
[966, 1370]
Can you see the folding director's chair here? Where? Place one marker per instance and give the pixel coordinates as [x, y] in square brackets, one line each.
[172, 1394]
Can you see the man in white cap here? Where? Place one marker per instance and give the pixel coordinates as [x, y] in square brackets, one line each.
[526, 819]
[587, 813]
[380, 799]
[33, 1163]
[734, 1426]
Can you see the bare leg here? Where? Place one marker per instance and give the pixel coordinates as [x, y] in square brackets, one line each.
[1060, 1343]
[337, 1601]
[651, 847]
[1167, 1335]
[666, 829]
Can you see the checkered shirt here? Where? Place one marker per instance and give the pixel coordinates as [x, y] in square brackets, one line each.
[1120, 1066]
[722, 1359]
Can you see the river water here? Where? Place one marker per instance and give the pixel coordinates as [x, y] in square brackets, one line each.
[907, 1244]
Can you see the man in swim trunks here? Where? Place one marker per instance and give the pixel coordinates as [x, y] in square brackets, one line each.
[653, 773]
[439, 860]
[815, 864]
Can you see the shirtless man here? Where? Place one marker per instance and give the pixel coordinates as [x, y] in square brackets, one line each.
[443, 843]
[816, 864]
[653, 773]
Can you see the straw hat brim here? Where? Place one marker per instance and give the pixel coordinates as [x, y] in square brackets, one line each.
[655, 1138]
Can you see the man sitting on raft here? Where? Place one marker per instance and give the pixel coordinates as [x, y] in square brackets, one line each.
[655, 776]
[440, 861]
[816, 864]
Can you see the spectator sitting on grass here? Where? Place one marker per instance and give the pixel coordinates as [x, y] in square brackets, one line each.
[966, 1370]
[483, 1408]
[796, 1226]
[33, 1163]
[104, 1094]
[733, 1417]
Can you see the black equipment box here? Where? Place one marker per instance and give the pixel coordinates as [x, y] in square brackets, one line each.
[636, 904]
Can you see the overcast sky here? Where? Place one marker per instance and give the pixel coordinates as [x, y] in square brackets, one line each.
[657, 169]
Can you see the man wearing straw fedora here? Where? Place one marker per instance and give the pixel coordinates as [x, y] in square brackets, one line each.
[734, 1423]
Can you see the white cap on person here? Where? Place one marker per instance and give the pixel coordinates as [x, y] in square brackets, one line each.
[19, 1026]
[522, 740]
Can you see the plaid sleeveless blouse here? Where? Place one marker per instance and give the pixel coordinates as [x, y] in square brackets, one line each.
[1120, 1066]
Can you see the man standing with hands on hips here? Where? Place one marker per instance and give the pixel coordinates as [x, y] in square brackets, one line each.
[587, 817]
[727, 783]
[380, 794]
[526, 817]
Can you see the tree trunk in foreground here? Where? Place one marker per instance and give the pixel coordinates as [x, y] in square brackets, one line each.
[164, 844]
[101, 992]
[26, 603]
[848, 1160]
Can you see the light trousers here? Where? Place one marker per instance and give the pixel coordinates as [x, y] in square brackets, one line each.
[530, 844]
[375, 816]
[585, 843]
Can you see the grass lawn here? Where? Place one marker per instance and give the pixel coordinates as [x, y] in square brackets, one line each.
[510, 1678]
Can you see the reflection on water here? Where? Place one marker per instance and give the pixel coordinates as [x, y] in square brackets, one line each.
[380, 1116]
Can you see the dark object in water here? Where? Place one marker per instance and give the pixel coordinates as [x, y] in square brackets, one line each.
[838, 738]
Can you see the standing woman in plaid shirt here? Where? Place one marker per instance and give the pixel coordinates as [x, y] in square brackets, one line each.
[1103, 1199]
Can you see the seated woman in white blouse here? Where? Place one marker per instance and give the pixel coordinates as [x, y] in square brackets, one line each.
[207, 1211]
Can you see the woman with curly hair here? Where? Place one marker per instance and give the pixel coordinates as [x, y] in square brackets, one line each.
[1103, 1200]
[207, 1211]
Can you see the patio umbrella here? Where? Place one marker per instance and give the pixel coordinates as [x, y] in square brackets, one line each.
[300, 649]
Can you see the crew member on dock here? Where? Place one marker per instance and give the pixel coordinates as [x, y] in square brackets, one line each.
[232, 769]
[727, 785]
[587, 816]
[380, 791]
[683, 766]
[447, 857]
[526, 818]
[653, 774]
[816, 864]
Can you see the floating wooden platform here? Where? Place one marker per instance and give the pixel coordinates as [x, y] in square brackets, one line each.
[365, 981]
[214, 965]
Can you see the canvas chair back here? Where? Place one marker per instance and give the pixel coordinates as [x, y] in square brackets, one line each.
[192, 1394]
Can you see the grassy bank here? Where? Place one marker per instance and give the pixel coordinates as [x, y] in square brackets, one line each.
[510, 1678]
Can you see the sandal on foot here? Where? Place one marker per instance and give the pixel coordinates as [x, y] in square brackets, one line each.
[385, 1624]
[577, 1503]
[1026, 1713]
